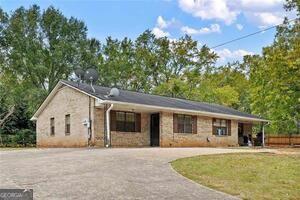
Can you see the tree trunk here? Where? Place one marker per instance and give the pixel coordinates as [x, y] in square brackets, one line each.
[11, 111]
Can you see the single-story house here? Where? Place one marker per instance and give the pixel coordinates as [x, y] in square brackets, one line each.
[78, 115]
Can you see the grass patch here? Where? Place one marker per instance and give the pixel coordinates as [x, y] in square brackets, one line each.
[15, 148]
[246, 175]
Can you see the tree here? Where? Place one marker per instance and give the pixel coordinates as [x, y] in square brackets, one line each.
[40, 48]
[274, 76]
[37, 49]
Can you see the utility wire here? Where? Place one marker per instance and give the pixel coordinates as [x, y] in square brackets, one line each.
[251, 34]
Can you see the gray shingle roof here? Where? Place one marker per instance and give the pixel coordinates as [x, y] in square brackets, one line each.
[156, 100]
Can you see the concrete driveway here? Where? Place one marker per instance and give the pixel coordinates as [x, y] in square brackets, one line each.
[117, 173]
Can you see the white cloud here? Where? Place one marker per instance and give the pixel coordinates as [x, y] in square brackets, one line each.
[226, 55]
[239, 27]
[160, 33]
[161, 25]
[261, 12]
[209, 9]
[213, 28]
[261, 6]
[266, 19]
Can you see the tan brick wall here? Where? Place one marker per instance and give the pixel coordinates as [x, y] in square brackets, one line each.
[204, 131]
[133, 139]
[65, 101]
[98, 127]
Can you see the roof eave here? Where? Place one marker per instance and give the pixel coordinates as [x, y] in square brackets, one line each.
[188, 111]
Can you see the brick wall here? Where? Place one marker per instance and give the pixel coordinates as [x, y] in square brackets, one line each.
[133, 139]
[98, 127]
[66, 101]
[204, 131]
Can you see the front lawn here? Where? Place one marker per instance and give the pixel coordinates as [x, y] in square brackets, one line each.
[246, 175]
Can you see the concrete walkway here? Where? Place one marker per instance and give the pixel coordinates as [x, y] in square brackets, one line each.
[117, 173]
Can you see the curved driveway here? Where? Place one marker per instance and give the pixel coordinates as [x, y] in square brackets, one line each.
[117, 173]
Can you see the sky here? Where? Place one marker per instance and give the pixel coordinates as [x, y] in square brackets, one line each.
[210, 22]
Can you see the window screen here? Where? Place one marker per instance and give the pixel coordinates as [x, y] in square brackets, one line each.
[221, 127]
[52, 126]
[125, 121]
[184, 123]
[67, 124]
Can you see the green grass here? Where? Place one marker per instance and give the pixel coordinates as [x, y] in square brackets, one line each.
[246, 175]
[15, 148]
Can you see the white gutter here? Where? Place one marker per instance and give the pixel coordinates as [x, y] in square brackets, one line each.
[187, 111]
[108, 125]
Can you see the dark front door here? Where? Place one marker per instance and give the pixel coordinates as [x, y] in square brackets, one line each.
[154, 130]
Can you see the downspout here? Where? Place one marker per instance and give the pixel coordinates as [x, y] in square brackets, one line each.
[108, 144]
[90, 125]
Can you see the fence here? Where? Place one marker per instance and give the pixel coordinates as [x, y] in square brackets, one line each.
[283, 140]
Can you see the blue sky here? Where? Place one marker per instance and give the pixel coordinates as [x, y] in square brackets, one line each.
[210, 22]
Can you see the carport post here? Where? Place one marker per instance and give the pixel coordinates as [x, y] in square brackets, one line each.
[263, 134]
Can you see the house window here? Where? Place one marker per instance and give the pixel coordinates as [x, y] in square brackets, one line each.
[221, 127]
[184, 123]
[125, 121]
[67, 124]
[52, 126]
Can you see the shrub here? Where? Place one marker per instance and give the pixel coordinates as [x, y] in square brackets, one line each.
[23, 137]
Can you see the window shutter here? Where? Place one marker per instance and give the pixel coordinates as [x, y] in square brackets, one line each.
[229, 127]
[194, 124]
[113, 120]
[137, 122]
[175, 123]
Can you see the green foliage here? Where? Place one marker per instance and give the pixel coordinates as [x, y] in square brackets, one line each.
[275, 83]
[24, 138]
[293, 5]
[37, 49]
[40, 48]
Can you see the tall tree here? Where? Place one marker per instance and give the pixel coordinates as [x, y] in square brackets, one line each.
[275, 83]
[40, 48]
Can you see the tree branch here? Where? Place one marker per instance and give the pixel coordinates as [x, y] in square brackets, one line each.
[11, 110]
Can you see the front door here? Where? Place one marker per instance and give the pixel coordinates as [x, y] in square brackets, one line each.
[154, 130]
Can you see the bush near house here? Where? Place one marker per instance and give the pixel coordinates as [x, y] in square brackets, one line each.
[23, 138]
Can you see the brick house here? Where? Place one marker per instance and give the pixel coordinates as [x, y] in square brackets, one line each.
[75, 115]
